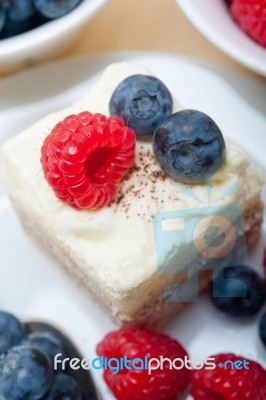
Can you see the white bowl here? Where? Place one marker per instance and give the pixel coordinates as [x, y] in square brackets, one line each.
[48, 40]
[213, 19]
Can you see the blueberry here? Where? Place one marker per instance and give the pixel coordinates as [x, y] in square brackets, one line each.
[143, 102]
[262, 329]
[238, 291]
[52, 9]
[19, 10]
[64, 387]
[2, 17]
[47, 342]
[25, 374]
[11, 331]
[189, 146]
[19, 14]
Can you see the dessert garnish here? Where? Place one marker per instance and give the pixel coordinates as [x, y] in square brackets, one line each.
[85, 157]
[239, 291]
[143, 102]
[189, 146]
[227, 382]
[138, 384]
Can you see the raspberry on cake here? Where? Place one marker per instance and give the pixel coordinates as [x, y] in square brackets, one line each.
[85, 156]
[112, 250]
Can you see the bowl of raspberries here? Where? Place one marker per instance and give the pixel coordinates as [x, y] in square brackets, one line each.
[32, 30]
[237, 27]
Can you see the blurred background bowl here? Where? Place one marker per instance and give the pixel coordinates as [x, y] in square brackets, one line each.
[214, 21]
[49, 40]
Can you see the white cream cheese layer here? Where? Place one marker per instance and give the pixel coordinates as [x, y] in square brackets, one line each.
[115, 246]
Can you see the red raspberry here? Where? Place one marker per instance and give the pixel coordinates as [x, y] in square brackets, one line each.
[85, 157]
[251, 16]
[229, 383]
[138, 384]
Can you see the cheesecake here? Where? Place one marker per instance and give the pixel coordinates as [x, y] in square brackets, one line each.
[115, 251]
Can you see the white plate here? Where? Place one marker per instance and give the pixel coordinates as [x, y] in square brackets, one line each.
[32, 286]
[214, 21]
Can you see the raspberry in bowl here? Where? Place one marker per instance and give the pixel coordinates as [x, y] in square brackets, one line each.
[214, 20]
[250, 15]
[91, 187]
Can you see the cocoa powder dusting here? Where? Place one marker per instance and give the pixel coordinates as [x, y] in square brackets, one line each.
[146, 173]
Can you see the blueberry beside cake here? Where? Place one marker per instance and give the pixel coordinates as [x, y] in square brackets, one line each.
[88, 186]
[27, 363]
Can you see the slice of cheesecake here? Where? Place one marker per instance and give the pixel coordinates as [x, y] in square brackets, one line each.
[116, 251]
